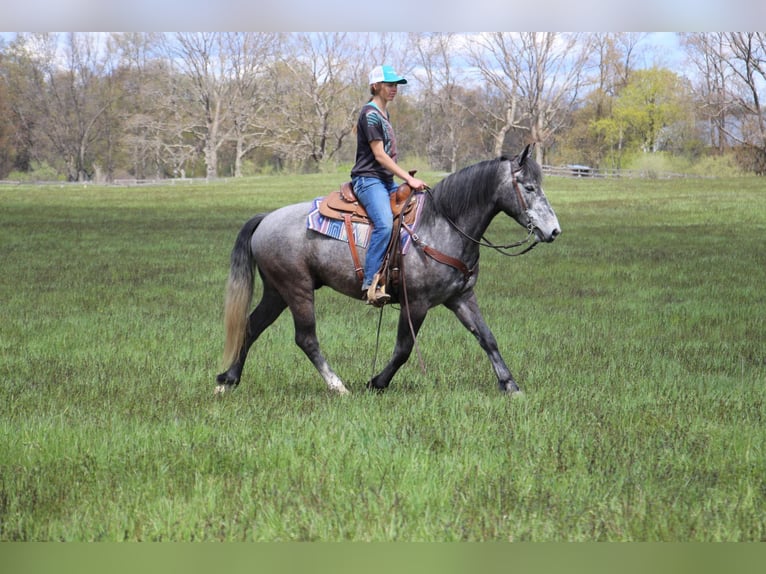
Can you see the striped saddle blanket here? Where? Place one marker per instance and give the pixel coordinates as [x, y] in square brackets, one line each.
[328, 218]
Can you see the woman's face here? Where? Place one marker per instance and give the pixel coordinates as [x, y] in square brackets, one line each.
[387, 90]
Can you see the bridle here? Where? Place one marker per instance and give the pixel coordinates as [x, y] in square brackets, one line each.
[484, 242]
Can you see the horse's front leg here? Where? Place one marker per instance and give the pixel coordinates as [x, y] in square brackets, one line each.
[466, 308]
[410, 320]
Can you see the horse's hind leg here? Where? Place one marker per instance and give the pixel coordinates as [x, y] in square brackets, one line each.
[467, 310]
[265, 313]
[302, 307]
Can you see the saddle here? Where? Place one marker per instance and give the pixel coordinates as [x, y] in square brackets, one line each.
[342, 205]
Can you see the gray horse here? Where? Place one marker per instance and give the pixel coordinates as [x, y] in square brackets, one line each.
[294, 261]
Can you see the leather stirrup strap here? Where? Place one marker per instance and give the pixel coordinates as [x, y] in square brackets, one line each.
[352, 246]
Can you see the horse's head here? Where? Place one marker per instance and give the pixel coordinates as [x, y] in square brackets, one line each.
[524, 200]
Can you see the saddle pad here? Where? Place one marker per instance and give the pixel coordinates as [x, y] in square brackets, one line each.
[336, 228]
[342, 203]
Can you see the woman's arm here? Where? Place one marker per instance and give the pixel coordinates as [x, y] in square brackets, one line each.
[385, 160]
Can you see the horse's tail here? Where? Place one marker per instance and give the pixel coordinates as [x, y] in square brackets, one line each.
[239, 291]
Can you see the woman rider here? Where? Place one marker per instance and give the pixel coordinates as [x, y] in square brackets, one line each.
[373, 173]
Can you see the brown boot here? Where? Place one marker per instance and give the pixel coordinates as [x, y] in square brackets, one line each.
[376, 294]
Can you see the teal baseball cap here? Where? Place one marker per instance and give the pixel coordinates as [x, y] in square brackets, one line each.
[385, 74]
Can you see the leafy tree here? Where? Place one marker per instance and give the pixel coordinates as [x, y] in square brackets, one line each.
[646, 113]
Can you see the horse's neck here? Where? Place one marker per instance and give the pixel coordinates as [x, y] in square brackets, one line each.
[474, 218]
[467, 224]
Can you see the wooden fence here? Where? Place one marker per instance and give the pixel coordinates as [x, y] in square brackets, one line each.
[548, 170]
[587, 171]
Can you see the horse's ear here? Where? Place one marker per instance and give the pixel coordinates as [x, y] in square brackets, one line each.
[525, 153]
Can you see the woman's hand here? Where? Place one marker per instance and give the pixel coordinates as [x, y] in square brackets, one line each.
[415, 183]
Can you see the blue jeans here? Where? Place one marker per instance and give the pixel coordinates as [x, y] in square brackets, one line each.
[374, 195]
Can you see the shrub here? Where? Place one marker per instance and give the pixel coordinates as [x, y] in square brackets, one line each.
[40, 171]
[717, 166]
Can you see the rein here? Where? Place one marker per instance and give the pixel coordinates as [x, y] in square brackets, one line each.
[484, 242]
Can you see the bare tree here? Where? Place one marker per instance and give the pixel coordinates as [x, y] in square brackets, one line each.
[147, 90]
[491, 55]
[748, 63]
[8, 155]
[445, 115]
[553, 65]
[205, 71]
[316, 95]
[251, 55]
[706, 52]
[540, 73]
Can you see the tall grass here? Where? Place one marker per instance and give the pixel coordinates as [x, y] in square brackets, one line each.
[638, 337]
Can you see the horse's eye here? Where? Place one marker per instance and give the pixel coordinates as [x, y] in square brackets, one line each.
[529, 187]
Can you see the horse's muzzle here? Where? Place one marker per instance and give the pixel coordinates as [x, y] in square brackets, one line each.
[543, 237]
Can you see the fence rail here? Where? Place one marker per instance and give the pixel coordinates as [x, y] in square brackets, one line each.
[119, 182]
[587, 171]
[548, 170]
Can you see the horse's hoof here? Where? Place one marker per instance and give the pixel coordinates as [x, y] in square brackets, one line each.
[510, 387]
[222, 389]
[374, 389]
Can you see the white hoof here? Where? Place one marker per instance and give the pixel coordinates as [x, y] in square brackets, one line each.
[342, 390]
[221, 389]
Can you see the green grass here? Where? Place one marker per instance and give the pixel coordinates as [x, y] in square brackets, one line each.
[638, 337]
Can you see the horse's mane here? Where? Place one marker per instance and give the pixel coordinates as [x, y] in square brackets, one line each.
[476, 183]
[457, 192]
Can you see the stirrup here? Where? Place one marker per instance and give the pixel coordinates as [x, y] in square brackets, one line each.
[376, 294]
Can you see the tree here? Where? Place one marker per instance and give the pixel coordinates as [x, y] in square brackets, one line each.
[146, 88]
[7, 127]
[541, 74]
[61, 93]
[653, 102]
[492, 55]
[706, 52]
[316, 94]
[251, 54]
[155, 105]
[446, 114]
[203, 85]
[747, 60]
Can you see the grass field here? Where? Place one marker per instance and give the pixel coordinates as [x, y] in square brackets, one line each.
[638, 338]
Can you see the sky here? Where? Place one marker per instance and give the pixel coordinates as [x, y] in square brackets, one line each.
[660, 48]
[393, 15]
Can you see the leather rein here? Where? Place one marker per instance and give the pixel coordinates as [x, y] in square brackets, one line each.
[483, 242]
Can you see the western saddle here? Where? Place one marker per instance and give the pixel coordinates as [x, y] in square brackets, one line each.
[343, 205]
